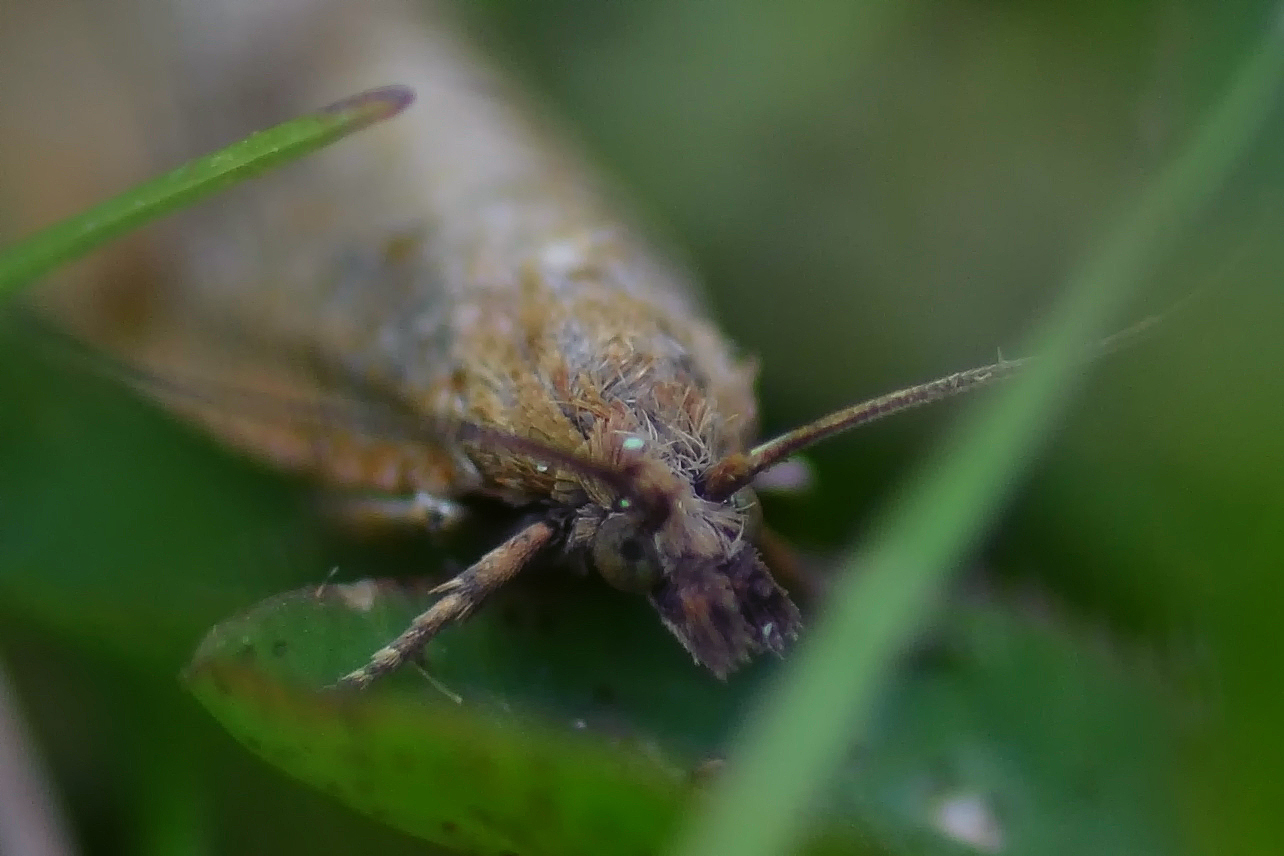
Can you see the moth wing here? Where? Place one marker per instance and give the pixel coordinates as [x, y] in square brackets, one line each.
[278, 402]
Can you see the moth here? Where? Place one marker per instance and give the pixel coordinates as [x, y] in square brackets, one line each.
[453, 307]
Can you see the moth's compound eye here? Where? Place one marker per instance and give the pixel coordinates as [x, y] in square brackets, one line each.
[624, 557]
[746, 502]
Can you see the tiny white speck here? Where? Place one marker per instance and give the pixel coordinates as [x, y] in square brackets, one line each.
[541, 468]
[968, 818]
[579, 725]
[467, 316]
[359, 596]
[768, 629]
[633, 444]
[562, 256]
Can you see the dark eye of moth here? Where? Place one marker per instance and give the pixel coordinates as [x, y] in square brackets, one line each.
[631, 550]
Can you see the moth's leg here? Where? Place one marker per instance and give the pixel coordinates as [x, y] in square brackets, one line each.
[422, 510]
[802, 584]
[458, 597]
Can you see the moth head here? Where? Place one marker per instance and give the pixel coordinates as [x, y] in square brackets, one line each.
[635, 554]
[716, 595]
[695, 561]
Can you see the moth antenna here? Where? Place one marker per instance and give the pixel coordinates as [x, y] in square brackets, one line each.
[738, 470]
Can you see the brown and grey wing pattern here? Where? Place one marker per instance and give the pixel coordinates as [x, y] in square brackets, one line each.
[445, 264]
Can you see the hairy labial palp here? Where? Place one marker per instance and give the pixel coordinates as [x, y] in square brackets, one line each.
[447, 308]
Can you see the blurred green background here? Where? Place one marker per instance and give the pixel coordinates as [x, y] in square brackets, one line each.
[875, 194]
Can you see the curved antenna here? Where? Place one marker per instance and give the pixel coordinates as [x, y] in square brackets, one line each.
[738, 470]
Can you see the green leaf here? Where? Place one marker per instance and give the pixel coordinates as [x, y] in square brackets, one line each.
[519, 764]
[60, 243]
[563, 720]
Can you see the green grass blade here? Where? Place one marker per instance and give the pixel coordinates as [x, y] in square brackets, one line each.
[761, 807]
[45, 250]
